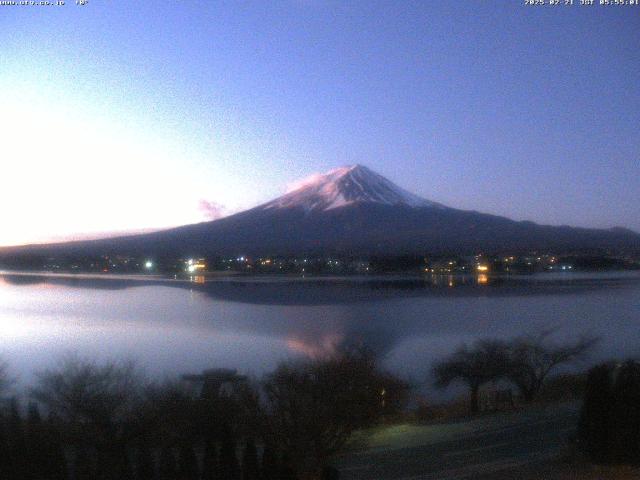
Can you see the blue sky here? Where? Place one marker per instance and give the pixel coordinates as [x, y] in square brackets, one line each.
[127, 115]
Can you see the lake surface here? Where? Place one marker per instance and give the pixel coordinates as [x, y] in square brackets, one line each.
[174, 327]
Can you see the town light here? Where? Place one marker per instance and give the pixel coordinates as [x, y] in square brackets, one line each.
[148, 264]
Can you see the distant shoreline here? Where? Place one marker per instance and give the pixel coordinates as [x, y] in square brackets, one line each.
[326, 290]
[212, 277]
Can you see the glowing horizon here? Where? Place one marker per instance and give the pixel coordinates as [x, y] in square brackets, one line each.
[149, 116]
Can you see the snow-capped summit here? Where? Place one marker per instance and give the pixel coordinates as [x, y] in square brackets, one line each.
[343, 186]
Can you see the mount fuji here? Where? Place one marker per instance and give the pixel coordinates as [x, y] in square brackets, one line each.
[351, 210]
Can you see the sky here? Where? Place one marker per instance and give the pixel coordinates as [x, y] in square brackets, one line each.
[137, 115]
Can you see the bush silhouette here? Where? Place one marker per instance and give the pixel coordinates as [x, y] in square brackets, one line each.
[106, 421]
[625, 421]
[609, 429]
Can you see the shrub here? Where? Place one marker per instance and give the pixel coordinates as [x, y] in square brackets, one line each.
[609, 429]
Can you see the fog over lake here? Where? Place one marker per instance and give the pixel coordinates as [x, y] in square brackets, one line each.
[174, 327]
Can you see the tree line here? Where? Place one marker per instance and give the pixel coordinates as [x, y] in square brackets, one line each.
[525, 361]
[86, 420]
[609, 426]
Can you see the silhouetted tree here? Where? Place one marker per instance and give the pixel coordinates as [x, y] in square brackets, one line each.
[55, 459]
[36, 453]
[625, 418]
[595, 417]
[286, 470]
[115, 464]
[269, 464]
[97, 404]
[250, 468]
[145, 465]
[330, 473]
[210, 461]
[167, 467]
[187, 463]
[609, 428]
[18, 464]
[5, 452]
[229, 468]
[169, 412]
[314, 406]
[486, 360]
[532, 358]
[122, 469]
[83, 465]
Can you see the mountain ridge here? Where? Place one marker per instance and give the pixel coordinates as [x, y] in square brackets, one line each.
[349, 210]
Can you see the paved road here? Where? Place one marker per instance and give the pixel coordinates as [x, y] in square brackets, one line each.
[487, 447]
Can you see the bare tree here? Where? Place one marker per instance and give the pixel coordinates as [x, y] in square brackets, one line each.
[532, 358]
[484, 361]
[96, 404]
[312, 407]
[83, 391]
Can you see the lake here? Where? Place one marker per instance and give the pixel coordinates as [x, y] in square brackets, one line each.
[173, 327]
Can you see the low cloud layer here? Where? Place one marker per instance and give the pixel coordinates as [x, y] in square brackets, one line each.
[211, 210]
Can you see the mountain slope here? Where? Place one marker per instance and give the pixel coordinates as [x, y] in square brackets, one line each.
[352, 210]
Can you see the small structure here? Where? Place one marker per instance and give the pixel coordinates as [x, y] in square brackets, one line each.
[213, 383]
[195, 265]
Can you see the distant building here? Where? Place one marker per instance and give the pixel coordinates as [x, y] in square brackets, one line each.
[562, 267]
[447, 266]
[195, 265]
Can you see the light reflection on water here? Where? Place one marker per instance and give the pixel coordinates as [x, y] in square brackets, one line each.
[251, 327]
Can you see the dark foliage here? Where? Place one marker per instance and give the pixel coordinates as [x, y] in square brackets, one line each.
[106, 422]
[330, 473]
[187, 463]
[145, 464]
[595, 416]
[625, 421]
[210, 461]
[314, 406]
[609, 429]
[228, 464]
[168, 468]
[84, 468]
[250, 467]
[269, 465]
